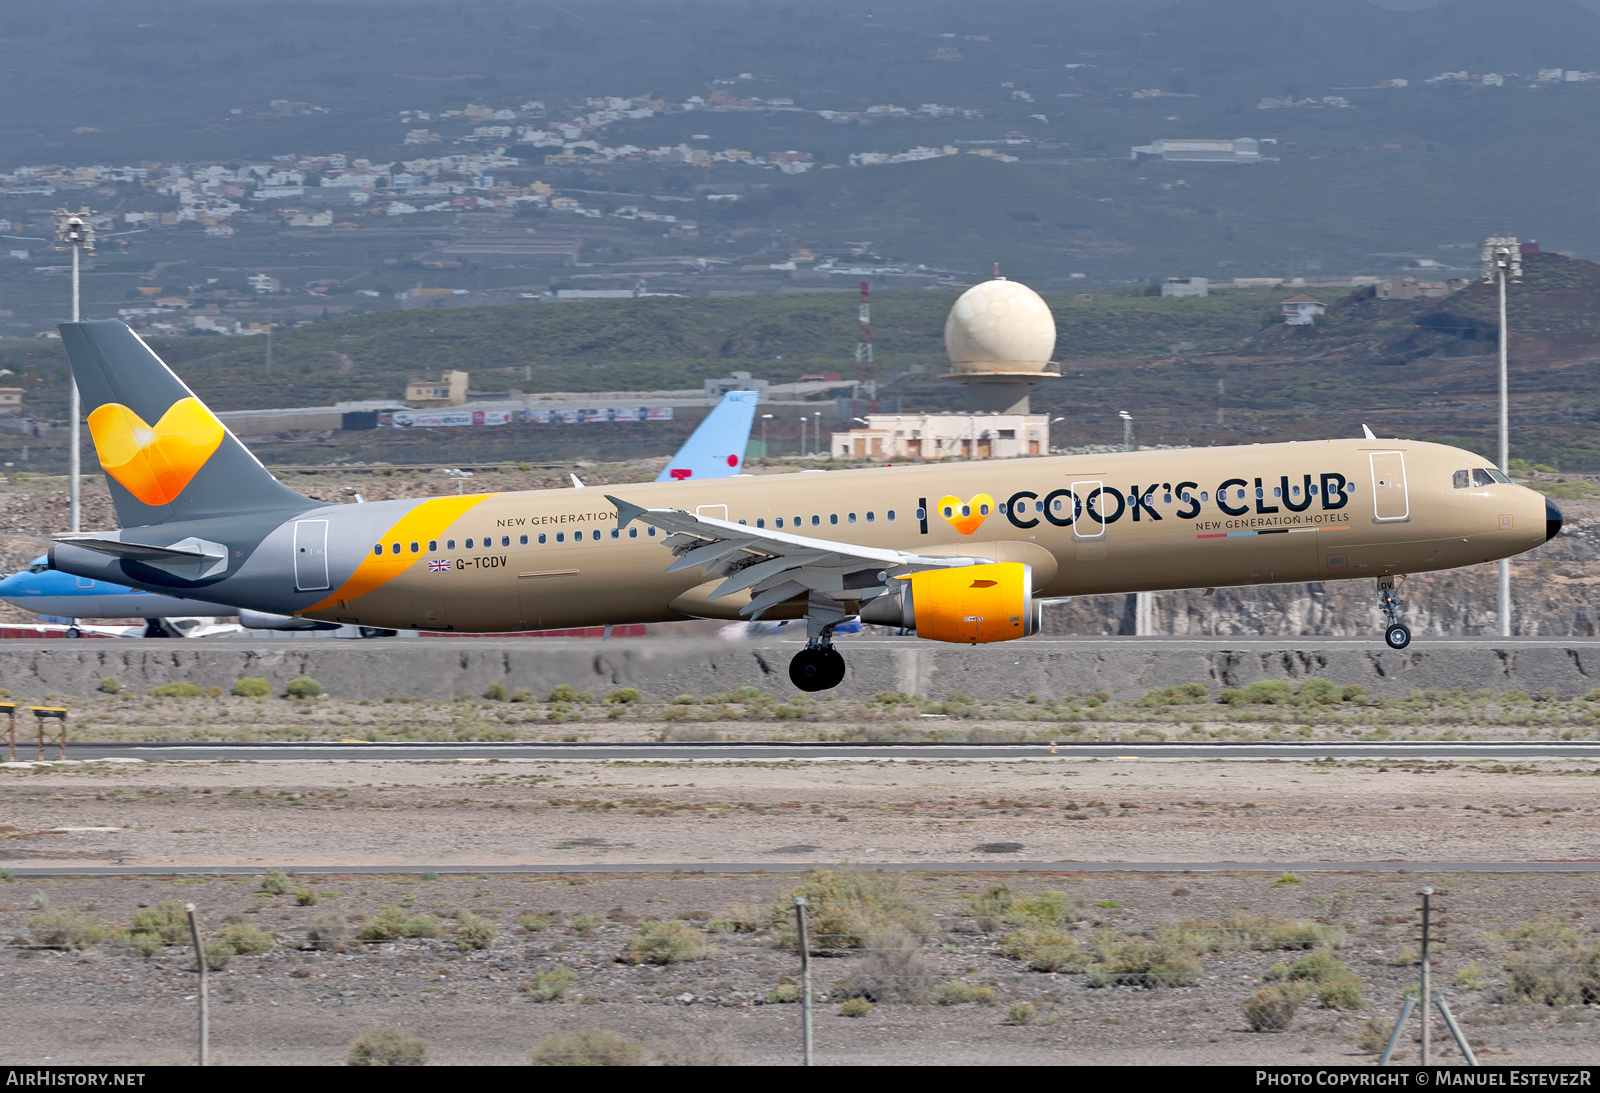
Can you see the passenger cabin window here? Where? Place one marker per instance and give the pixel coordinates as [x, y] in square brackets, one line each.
[433, 545]
[505, 540]
[778, 522]
[523, 541]
[469, 544]
[816, 520]
[833, 517]
[1205, 495]
[395, 548]
[760, 522]
[541, 539]
[450, 544]
[633, 533]
[416, 547]
[851, 518]
[890, 515]
[561, 537]
[615, 534]
[377, 549]
[651, 531]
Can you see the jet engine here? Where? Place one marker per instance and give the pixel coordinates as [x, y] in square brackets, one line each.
[262, 620]
[966, 605]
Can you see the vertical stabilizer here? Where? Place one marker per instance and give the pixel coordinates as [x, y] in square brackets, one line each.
[166, 456]
[716, 448]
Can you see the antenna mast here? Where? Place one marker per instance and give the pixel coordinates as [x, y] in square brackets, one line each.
[866, 392]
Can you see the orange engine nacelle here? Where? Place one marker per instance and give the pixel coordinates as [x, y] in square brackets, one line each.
[964, 604]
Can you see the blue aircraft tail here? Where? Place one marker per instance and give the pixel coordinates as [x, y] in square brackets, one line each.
[716, 450]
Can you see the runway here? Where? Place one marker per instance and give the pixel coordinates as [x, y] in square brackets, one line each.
[346, 751]
[617, 868]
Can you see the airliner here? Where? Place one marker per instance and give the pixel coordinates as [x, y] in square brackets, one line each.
[715, 449]
[961, 552]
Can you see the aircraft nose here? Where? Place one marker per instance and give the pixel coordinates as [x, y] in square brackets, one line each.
[1552, 520]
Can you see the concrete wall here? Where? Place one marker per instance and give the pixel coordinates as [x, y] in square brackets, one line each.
[1125, 667]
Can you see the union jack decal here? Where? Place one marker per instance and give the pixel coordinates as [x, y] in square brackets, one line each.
[439, 565]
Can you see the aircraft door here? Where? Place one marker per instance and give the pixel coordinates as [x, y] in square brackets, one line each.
[310, 555]
[1086, 499]
[1390, 501]
[715, 512]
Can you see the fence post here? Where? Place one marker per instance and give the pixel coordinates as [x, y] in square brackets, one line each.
[200, 960]
[1455, 1029]
[1426, 994]
[1399, 1026]
[805, 977]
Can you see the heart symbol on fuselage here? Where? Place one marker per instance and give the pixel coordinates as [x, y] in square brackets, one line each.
[155, 462]
[966, 516]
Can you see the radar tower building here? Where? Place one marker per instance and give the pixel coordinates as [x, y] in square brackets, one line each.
[1000, 336]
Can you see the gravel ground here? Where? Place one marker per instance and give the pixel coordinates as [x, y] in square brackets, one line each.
[297, 1006]
[510, 812]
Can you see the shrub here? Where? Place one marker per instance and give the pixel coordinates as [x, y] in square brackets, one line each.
[305, 897]
[1374, 1036]
[1471, 977]
[302, 687]
[953, 992]
[846, 907]
[1021, 1013]
[1185, 694]
[896, 968]
[175, 690]
[1263, 692]
[167, 921]
[389, 1047]
[1342, 992]
[1164, 960]
[474, 932]
[667, 943]
[393, 922]
[1045, 948]
[145, 945]
[588, 1047]
[65, 929]
[624, 696]
[252, 687]
[533, 923]
[1273, 1007]
[551, 985]
[246, 939]
[218, 955]
[856, 1007]
[1319, 692]
[275, 882]
[585, 924]
[991, 908]
[783, 992]
[1266, 932]
[111, 685]
[497, 693]
[1047, 906]
[1562, 974]
[328, 932]
[565, 693]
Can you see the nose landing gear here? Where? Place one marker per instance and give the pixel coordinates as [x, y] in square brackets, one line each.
[1395, 635]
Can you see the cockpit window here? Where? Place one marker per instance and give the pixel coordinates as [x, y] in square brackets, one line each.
[1478, 476]
[1498, 475]
[1461, 479]
[1482, 477]
[39, 567]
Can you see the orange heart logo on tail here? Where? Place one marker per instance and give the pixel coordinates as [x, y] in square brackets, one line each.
[155, 462]
[966, 516]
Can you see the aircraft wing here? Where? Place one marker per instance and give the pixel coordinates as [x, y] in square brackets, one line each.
[775, 566]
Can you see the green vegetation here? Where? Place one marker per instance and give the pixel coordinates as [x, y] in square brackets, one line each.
[111, 685]
[667, 943]
[388, 1047]
[392, 922]
[497, 692]
[473, 931]
[328, 933]
[782, 993]
[303, 687]
[551, 985]
[846, 907]
[247, 939]
[856, 1007]
[953, 992]
[175, 690]
[532, 923]
[275, 882]
[252, 687]
[588, 1047]
[1553, 964]
[166, 923]
[65, 929]
[1336, 986]
[1273, 1007]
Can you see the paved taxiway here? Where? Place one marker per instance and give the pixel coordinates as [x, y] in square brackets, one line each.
[813, 752]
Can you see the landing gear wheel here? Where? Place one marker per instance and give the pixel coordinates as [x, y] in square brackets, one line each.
[74, 632]
[1397, 636]
[817, 668]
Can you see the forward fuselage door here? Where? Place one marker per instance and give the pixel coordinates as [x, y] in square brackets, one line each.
[310, 555]
[1390, 501]
[1088, 520]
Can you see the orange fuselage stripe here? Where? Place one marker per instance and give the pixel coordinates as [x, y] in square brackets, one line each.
[429, 520]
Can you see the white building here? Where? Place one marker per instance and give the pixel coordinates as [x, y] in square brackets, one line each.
[1186, 286]
[945, 436]
[1238, 150]
[1302, 310]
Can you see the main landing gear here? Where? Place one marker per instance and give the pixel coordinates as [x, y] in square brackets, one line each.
[819, 667]
[1395, 635]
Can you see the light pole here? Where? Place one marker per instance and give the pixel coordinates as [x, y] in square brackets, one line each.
[1502, 262]
[75, 233]
[1127, 430]
[816, 430]
[765, 454]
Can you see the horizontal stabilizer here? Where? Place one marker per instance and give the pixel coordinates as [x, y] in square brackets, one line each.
[191, 558]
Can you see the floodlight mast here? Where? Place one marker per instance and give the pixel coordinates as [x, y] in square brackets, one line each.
[1502, 262]
[75, 232]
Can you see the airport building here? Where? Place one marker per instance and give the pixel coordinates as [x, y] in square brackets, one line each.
[999, 337]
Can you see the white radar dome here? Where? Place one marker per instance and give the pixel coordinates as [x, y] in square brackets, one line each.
[1000, 326]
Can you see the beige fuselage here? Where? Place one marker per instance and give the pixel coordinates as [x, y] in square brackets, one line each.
[1404, 515]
